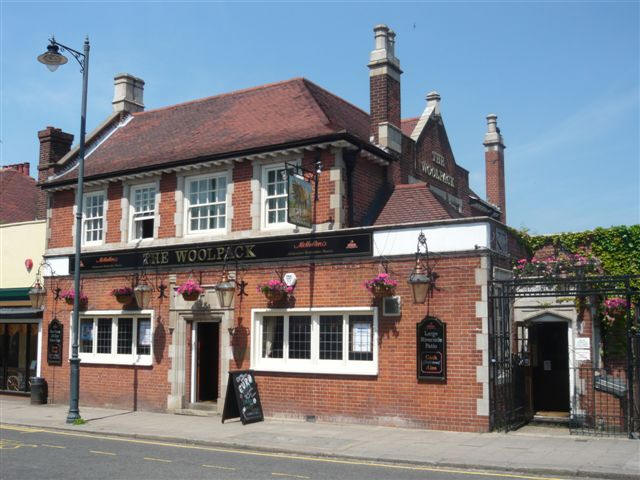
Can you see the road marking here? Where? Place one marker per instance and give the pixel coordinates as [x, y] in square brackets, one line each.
[102, 453]
[275, 474]
[217, 466]
[6, 444]
[52, 446]
[18, 428]
[157, 459]
[306, 458]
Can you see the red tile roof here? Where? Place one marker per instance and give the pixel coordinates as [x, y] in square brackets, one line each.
[278, 113]
[414, 202]
[408, 124]
[18, 196]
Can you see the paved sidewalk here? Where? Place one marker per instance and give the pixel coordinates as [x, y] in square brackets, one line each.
[535, 452]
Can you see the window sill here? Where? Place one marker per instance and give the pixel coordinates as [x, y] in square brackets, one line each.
[140, 361]
[341, 369]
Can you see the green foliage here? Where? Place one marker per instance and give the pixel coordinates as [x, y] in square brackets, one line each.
[79, 421]
[618, 248]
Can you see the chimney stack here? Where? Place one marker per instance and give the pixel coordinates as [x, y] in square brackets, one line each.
[494, 164]
[384, 91]
[128, 93]
[23, 168]
[54, 144]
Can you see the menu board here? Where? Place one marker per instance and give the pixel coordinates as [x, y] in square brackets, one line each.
[54, 343]
[432, 349]
[242, 398]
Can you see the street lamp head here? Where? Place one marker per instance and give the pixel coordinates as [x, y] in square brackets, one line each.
[52, 58]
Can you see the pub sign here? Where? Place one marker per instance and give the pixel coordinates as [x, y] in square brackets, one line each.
[300, 205]
[432, 349]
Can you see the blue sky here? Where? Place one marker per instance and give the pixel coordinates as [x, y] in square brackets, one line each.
[563, 79]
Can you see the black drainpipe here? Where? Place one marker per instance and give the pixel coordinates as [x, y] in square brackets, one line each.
[349, 157]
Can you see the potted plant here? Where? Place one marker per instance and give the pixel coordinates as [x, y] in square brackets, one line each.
[275, 290]
[123, 294]
[190, 290]
[68, 296]
[382, 285]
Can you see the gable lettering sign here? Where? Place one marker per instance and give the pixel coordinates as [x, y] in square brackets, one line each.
[426, 168]
[303, 246]
[432, 349]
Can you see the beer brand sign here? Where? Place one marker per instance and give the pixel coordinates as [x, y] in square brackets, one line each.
[319, 245]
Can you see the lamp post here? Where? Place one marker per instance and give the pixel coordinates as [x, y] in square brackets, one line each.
[53, 59]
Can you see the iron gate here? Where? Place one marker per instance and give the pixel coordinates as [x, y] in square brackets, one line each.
[606, 398]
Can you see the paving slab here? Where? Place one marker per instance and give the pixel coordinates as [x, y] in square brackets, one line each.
[527, 451]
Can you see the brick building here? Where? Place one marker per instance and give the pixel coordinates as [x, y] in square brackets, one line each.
[187, 191]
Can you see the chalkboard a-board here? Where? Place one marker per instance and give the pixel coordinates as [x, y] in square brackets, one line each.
[242, 398]
[54, 343]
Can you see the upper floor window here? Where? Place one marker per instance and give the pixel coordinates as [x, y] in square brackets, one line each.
[143, 211]
[93, 218]
[206, 203]
[275, 201]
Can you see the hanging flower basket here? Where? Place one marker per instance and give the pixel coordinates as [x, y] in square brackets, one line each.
[381, 286]
[123, 295]
[275, 290]
[190, 290]
[69, 295]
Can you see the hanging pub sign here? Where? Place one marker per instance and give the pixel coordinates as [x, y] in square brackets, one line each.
[54, 343]
[242, 398]
[432, 349]
[299, 202]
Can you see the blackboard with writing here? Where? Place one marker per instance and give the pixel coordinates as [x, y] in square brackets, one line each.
[432, 349]
[54, 343]
[242, 398]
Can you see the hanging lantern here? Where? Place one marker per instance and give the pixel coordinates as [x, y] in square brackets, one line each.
[143, 295]
[226, 289]
[422, 279]
[37, 294]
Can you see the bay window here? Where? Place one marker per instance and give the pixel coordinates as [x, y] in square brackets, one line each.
[123, 339]
[342, 341]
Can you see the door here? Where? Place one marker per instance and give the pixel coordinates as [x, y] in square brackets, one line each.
[207, 361]
[550, 367]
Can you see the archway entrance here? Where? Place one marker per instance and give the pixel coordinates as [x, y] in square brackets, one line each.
[549, 368]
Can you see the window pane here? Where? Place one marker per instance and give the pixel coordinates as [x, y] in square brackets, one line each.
[360, 337]
[104, 335]
[299, 337]
[125, 335]
[86, 335]
[331, 337]
[143, 346]
[272, 337]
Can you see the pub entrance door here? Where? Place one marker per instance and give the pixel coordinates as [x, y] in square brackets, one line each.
[550, 366]
[207, 361]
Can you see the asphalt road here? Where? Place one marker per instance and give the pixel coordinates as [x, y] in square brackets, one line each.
[30, 453]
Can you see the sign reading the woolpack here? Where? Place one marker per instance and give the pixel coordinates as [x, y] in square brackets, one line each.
[319, 245]
[432, 349]
[54, 343]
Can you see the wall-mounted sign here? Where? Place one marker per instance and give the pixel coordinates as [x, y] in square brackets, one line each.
[318, 245]
[436, 173]
[299, 202]
[432, 349]
[54, 343]
[290, 279]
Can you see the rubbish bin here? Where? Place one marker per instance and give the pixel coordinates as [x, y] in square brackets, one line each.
[38, 391]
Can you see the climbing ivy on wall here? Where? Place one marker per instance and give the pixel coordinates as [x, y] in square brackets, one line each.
[618, 248]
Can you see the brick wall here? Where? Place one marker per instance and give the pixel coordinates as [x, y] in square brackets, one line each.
[62, 219]
[114, 213]
[384, 98]
[368, 180]
[494, 160]
[167, 208]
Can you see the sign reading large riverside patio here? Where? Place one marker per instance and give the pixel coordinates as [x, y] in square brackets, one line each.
[319, 245]
[432, 349]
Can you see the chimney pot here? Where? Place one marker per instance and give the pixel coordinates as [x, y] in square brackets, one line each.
[128, 93]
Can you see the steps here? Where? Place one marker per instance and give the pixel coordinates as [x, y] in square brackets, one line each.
[200, 409]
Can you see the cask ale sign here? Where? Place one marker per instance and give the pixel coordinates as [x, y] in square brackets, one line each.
[432, 349]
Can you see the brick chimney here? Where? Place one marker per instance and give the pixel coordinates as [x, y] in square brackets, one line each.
[23, 168]
[384, 91]
[494, 161]
[128, 93]
[54, 144]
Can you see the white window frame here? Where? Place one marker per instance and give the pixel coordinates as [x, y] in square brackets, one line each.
[264, 212]
[115, 358]
[85, 198]
[132, 191]
[187, 203]
[314, 365]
